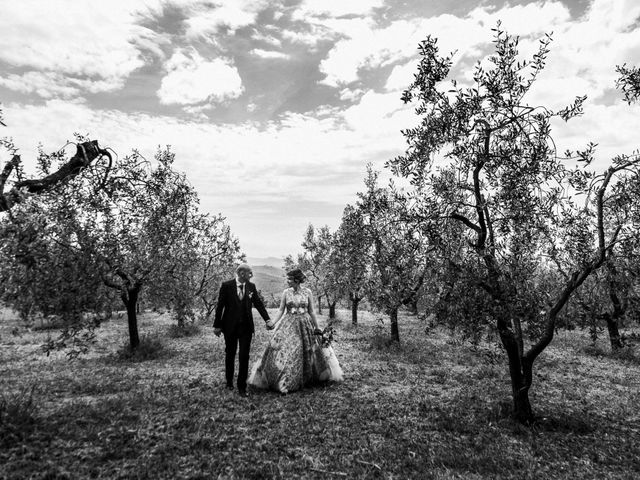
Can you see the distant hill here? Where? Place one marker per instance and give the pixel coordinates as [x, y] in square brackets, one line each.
[269, 261]
[270, 281]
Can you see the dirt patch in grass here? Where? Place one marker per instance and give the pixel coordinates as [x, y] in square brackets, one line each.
[427, 408]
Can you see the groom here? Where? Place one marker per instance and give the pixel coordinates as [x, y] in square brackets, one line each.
[234, 319]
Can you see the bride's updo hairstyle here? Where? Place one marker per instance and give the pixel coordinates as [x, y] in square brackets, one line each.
[296, 275]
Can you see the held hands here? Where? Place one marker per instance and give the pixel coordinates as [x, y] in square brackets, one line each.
[317, 331]
[270, 324]
[217, 331]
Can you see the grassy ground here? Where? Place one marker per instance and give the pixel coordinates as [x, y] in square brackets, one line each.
[428, 408]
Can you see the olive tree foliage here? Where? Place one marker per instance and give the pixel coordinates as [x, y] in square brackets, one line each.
[612, 297]
[39, 278]
[398, 249]
[86, 153]
[609, 299]
[31, 267]
[139, 230]
[319, 258]
[486, 158]
[203, 259]
[350, 258]
[316, 262]
[218, 255]
[629, 82]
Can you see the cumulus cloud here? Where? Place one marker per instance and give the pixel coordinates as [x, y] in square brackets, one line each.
[320, 154]
[590, 49]
[103, 44]
[269, 54]
[335, 8]
[311, 36]
[367, 46]
[401, 76]
[531, 19]
[266, 38]
[192, 79]
[54, 84]
[327, 20]
[207, 18]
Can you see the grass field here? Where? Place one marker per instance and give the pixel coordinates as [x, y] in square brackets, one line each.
[428, 408]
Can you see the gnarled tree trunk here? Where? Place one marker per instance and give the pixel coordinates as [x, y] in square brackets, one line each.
[395, 332]
[332, 309]
[520, 371]
[619, 309]
[615, 338]
[355, 300]
[130, 300]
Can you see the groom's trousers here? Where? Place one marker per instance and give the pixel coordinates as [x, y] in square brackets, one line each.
[231, 342]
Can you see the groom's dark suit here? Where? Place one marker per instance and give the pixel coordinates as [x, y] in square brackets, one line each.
[235, 318]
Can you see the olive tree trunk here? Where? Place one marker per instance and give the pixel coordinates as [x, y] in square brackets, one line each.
[393, 316]
[354, 309]
[130, 300]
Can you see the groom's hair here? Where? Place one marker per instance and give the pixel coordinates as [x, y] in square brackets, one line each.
[243, 266]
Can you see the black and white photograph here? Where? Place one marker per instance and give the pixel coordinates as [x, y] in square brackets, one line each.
[320, 239]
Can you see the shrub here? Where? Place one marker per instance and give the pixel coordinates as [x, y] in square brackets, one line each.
[626, 354]
[189, 329]
[17, 415]
[381, 339]
[150, 348]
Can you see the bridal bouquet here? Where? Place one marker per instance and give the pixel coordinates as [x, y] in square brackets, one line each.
[326, 338]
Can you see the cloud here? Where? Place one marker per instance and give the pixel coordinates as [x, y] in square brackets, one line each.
[266, 38]
[320, 21]
[351, 94]
[269, 54]
[301, 157]
[191, 79]
[366, 46]
[54, 84]
[524, 20]
[102, 44]
[380, 114]
[208, 18]
[590, 49]
[248, 171]
[401, 76]
[612, 127]
[335, 8]
[310, 36]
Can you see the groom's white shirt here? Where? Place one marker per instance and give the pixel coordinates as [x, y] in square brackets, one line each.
[238, 284]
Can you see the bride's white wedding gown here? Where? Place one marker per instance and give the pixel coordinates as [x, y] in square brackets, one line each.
[294, 356]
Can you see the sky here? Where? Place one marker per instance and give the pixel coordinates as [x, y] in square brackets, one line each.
[274, 108]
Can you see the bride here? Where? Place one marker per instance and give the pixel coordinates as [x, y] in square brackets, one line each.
[295, 356]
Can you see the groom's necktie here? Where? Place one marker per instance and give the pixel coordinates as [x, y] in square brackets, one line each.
[241, 286]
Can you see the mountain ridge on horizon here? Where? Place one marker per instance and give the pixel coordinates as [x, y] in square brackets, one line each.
[268, 261]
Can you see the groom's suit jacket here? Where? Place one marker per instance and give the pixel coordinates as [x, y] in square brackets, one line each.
[234, 315]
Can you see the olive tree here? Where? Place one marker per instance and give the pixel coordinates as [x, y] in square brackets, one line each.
[488, 159]
[318, 257]
[398, 249]
[134, 228]
[350, 259]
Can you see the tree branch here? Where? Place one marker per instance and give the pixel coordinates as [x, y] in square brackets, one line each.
[86, 153]
[466, 221]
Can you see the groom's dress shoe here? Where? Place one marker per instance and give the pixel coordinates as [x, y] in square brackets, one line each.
[229, 387]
